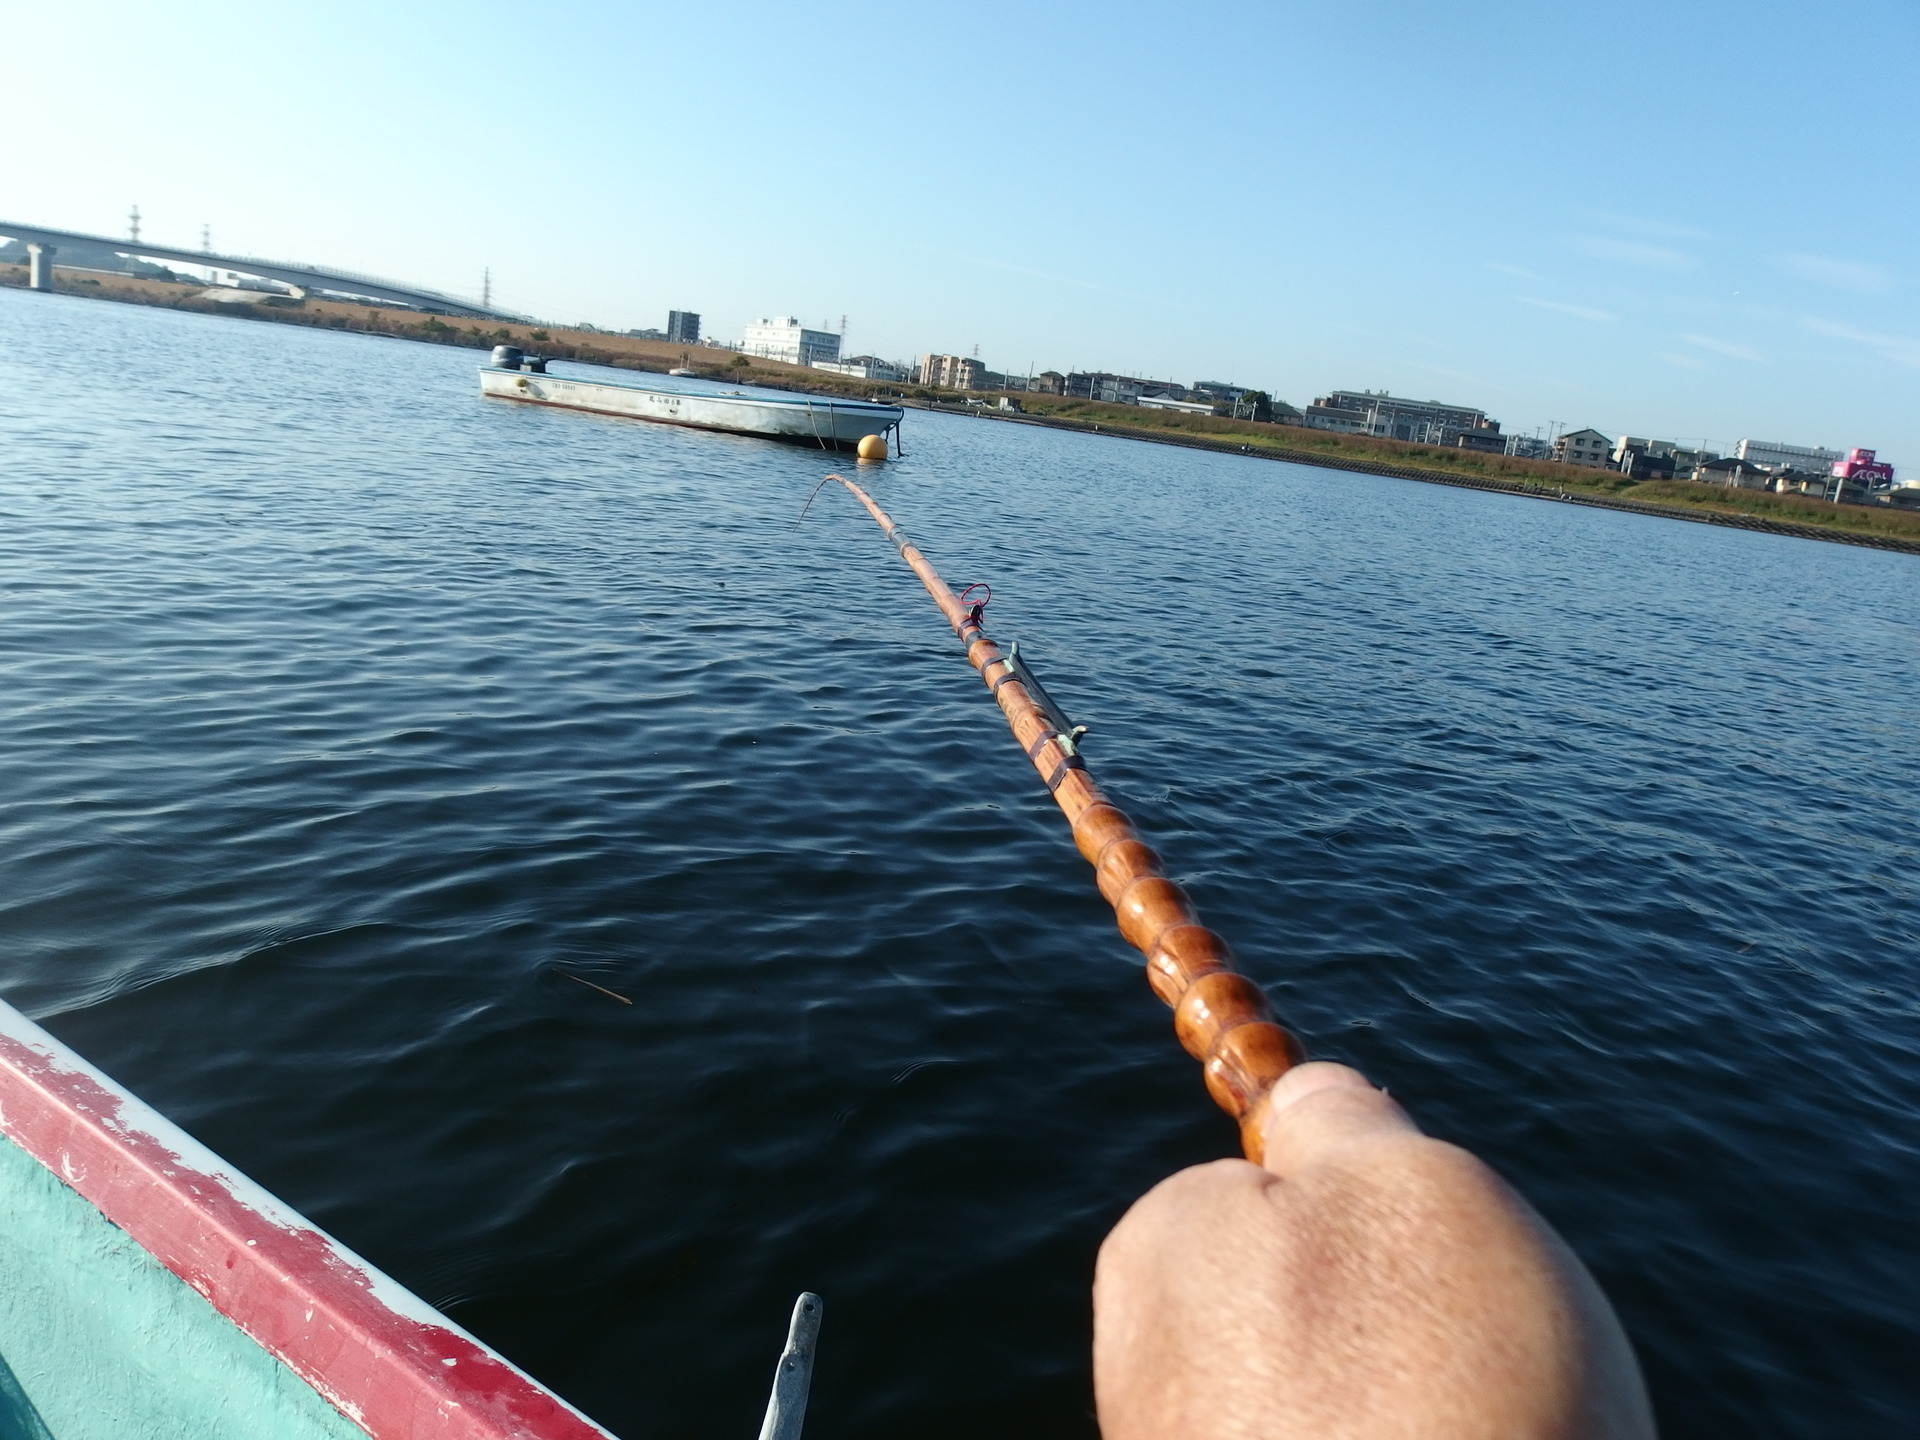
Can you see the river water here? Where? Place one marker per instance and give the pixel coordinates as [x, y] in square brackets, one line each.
[350, 721]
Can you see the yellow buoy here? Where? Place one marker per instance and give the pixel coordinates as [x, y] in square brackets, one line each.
[872, 447]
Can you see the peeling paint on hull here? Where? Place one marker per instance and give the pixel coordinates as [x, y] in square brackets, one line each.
[806, 420]
[130, 1243]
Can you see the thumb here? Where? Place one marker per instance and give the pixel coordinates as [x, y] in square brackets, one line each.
[1319, 1109]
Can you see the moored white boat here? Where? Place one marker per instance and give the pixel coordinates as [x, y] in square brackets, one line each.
[832, 424]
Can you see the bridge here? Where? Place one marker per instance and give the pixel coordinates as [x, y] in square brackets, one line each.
[42, 244]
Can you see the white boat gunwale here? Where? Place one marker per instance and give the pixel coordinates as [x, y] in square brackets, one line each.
[374, 1352]
[838, 402]
[793, 419]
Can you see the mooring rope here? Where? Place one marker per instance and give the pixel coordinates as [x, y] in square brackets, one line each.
[1220, 1016]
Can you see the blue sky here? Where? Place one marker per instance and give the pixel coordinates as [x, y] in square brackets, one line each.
[1679, 220]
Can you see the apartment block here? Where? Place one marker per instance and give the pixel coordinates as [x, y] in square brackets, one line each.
[952, 372]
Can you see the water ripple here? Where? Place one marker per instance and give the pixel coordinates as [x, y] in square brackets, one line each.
[351, 722]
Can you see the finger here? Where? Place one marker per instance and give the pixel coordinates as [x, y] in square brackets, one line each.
[1319, 1109]
[1314, 1076]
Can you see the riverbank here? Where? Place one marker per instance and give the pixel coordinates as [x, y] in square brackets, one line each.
[1878, 527]
[1875, 525]
[590, 346]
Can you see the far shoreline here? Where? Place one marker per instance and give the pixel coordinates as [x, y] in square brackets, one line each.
[1532, 490]
[1798, 517]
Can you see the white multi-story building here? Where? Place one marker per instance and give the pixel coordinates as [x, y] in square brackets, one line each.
[1810, 458]
[785, 338]
[1425, 422]
[866, 367]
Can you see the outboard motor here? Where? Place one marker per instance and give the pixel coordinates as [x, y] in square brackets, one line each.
[508, 357]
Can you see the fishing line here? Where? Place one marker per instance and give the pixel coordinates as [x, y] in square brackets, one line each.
[1220, 1016]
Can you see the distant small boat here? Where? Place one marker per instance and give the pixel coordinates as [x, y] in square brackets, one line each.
[150, 1289]
[831, 424]
[682, 370]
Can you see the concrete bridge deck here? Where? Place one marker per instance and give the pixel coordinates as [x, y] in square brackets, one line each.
[301, 277]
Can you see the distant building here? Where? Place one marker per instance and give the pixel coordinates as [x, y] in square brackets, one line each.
[1529, 447]
[785, 338]
[1840, 489]
[1167, 402]
[1860, 468]
[1584, 447]
[1112, 389]
[1800, 457]
[952, 372]
[1643, 463]
[1684, 457]
[1386, 417]
[1050, 382]
[1799, 482]
[1220, 392]
[866, 367]
[683, 327]
[942, 372]
[1732, 470]
[1328, 417]
[1486, 442]
[1237, 402]
[1856, 479]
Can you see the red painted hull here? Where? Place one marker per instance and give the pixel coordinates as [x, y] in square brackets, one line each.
[380, 1355]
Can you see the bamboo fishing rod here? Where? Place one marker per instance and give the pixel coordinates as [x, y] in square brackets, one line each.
[1220, 1016]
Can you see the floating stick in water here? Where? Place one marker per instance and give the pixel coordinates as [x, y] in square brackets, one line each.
[591, 986]
[793, 1377]
[1220, 1016]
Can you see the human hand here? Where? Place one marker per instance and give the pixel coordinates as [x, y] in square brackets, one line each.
[1365, 1283]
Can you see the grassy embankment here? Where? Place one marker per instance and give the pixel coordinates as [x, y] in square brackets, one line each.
[1545, 474]
[630, 353]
